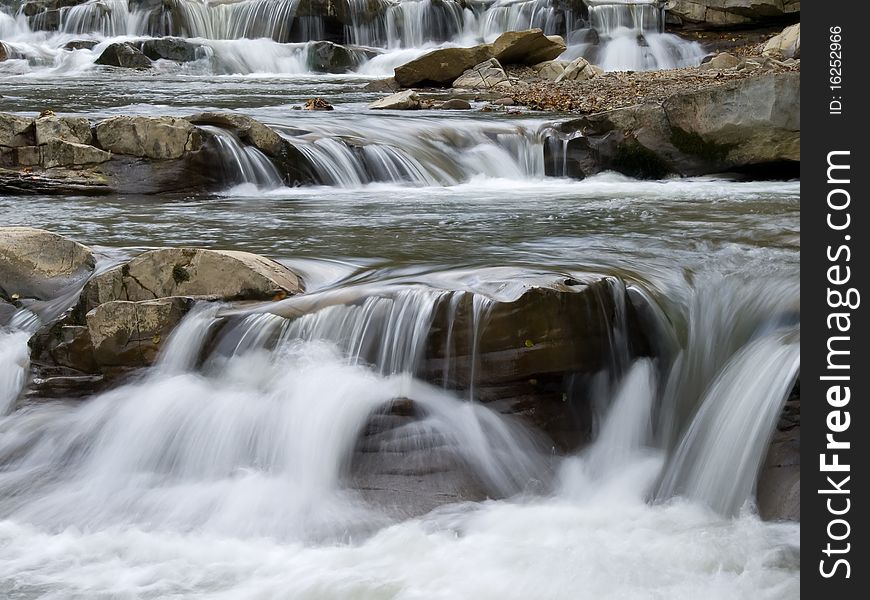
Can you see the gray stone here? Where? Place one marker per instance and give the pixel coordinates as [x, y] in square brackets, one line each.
[130, 335]
[405, 100]
[579, 69]
[195, 272]
[170, 48]
[123, 54]
[488, 75]
[67, 129]
[440, 68]
[150, 137]
[39, 264]
[455, 104]
[527, 47]
[786, 44]
[16, 131]
[720, 62]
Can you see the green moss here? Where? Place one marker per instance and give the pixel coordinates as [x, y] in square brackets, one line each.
[694, 144]
[180, 274]
[635, 160]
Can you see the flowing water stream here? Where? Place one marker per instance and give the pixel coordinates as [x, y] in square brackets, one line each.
[229, 469]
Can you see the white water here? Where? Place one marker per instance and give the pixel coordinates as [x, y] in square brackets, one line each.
[264, 36]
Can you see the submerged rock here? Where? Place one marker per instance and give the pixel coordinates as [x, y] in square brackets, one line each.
[455, 104]
[35, 263]
[329, 57]
[440, 68]
[317, 104]
[779, 482]
[406, 100]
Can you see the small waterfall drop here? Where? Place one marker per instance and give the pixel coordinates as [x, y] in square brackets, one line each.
[243, 163]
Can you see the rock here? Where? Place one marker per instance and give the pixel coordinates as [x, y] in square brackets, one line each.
[130, 335]
[779, 482]
[405, 100]
[150, 137]
[195, 272]
[488, 75]
[328, 57]
[579, 69]
[527, 47]
[80, 45]
[388, 85]
[723, 13]
[5, 52]
[67, 129]
[752, 121]
[785, 45]
[170, 48]
[504, 102]
[294, 165]
[455, 104]
[551, 69]
[532, 343]
[748, 125]
[440, 68]
[39, 264]
[249, 130]
[317, 104]
[123, 54]
[58, 153]
[720, 62]
[16, 131]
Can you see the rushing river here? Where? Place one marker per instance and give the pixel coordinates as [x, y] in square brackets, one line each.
[229, 479]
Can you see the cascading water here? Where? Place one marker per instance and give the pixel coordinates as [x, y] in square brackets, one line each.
[617, 34]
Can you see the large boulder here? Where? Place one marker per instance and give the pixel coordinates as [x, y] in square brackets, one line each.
[440, 68]
[123, 54]
[148, 137]
[169, 48]
[295, 166]
[751, 125]
[488, 75]
[750, 122]
[124, 315]
[405, 100]
[194, 272]
[39, 264]
[329, 57]
[527, 47]
[579, 69]
[785, 45]
[725, 13]
[67, 129]
[127, 335]
[15, 131]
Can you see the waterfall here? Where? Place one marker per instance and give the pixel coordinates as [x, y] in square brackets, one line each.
[242, 163]
[630, 37]
[615, 34]
[425, 152]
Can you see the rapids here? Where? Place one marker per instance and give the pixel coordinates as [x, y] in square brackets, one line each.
[230, 468]
[242, 37]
